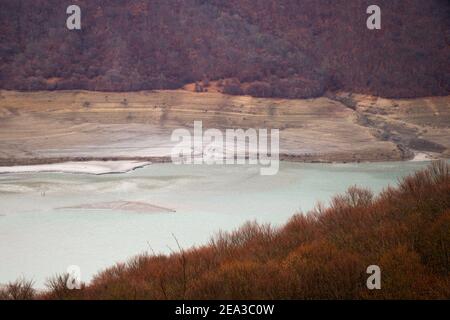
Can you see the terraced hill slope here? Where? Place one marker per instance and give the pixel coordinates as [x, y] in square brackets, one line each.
[41, 127]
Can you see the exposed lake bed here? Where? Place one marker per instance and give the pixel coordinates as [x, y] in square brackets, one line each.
[52, 127]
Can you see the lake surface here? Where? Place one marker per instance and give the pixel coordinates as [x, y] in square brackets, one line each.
[40, 236]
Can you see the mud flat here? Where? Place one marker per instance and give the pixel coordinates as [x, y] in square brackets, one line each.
[63, 126]
[132, 206]
[88, 167]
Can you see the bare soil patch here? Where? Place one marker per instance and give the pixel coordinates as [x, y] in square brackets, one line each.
[49, 126]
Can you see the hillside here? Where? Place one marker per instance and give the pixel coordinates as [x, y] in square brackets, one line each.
[322, 255]
[267, 48]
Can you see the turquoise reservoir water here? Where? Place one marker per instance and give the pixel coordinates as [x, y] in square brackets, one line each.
[40, 236]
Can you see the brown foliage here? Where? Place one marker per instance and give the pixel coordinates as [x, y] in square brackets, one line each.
[19, 290]
[279, 48]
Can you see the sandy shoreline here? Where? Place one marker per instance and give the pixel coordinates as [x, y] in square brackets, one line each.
[7, 164]
[105, 165]
[80, 167]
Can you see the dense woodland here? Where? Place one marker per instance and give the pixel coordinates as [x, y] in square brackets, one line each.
[321, 255]
[266, 48]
